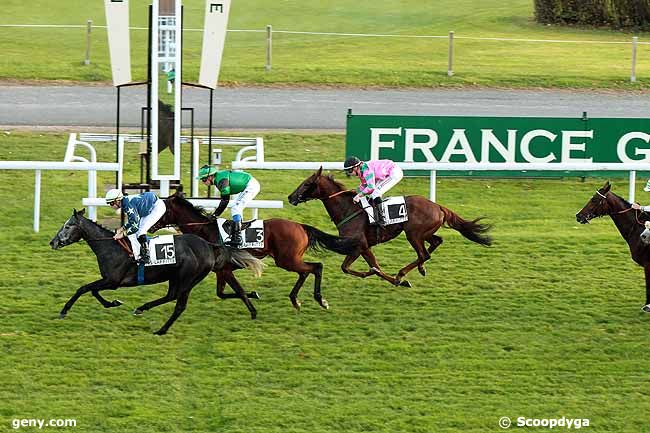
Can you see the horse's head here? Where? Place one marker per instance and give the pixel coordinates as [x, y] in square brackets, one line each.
[599, 205]
[70, 232]
[309, 189]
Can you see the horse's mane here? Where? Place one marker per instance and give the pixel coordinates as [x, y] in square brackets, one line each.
[196, 210]
[339, 185]
[106, 229]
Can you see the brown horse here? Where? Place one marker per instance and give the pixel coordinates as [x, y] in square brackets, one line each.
[629, 222]
[286, 241]
[425, 218]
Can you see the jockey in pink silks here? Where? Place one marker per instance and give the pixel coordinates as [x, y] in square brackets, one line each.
[377, 177]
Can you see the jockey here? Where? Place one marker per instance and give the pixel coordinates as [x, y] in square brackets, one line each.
[377, 177]
[142, 211]
[230, 182]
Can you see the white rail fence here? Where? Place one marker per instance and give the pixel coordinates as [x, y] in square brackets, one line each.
[434, 167]
[451, 36]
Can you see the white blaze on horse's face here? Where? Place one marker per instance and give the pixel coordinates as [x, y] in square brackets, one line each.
[68, 234]
[645, 234]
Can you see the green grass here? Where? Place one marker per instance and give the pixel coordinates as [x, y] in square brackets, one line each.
[30, 53]
[544, 324]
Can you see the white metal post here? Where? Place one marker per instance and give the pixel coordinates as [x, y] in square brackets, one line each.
[450, 66]
[432, 186]
[194, 189]
[92, 193]
[632, 186]
[37, 201]
[635, 41]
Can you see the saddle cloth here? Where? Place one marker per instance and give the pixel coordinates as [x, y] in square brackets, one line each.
[252, 232]
[162, 250]
[394, 210]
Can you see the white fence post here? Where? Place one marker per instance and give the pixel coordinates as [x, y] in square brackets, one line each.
[632, 186]
[450, 66]
[432, 186]
[37, 201]
[635, 41]
[269, 46]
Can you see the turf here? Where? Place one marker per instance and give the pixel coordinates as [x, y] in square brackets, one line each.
[310, 59]
[544, 324]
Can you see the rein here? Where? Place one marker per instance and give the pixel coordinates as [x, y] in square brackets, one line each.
[339, 193]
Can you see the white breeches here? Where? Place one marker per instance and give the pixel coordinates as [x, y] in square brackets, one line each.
[244, 197]
[384, 185]
[157, 212]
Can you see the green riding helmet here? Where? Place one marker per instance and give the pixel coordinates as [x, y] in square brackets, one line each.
[206, 171]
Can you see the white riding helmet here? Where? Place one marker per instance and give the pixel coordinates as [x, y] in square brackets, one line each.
[113, 195]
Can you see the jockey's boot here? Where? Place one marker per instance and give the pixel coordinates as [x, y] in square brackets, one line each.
[379, 213]
[144, 250]
[236, 240]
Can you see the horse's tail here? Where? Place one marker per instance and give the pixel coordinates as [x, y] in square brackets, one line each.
[340, 245]
[238, 258]
[472, 230]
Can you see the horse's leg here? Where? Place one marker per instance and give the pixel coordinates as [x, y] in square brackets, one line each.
[104, 302]
[423, 255]
[434, 243]
[345, 267]
[240, 293]
[181, 304]
[94, 286]
[318, 276]
[646, 307]
[170, 296]
[372, 262]
[293, 295]
[221, 285]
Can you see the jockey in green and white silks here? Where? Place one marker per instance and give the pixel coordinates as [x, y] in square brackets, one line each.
[230, 182]
[142, 211]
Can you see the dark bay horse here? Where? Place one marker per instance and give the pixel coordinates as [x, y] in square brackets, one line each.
[286, 241]
[195, 258]
[425, 218]
[629, 222]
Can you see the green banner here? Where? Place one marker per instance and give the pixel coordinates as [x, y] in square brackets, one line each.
[499, 139]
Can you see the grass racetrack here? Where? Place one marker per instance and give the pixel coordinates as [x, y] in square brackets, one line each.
[544, 324]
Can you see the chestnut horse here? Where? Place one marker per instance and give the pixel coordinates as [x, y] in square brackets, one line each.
[425, 218]
[286, 241]
[629, 222]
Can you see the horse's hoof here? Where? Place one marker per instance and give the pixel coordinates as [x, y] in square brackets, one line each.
[423, 271]
[323, 303]
[646, 308]
[116, 303]
[62, 315]
[254, 295]
[296, 304]
[253, 316]
[405, 283]
[138, 312]
[160, 332]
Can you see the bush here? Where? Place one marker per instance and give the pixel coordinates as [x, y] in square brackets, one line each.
[617, 14]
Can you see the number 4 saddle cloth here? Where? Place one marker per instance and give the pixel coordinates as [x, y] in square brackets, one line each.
[394, 210]
[252, 232]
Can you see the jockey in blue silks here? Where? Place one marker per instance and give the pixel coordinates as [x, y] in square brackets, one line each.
[142, 211]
